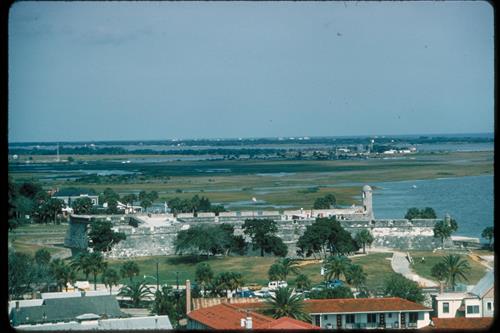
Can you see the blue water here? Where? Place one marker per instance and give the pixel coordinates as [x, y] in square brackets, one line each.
[469, 200]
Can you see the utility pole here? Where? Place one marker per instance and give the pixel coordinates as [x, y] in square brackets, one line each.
[157, 277]
[177, 273]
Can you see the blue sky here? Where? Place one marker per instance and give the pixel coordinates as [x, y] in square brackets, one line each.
[160, 70]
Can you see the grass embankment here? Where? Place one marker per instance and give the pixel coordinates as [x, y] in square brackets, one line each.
[430, 259]
[32, 237]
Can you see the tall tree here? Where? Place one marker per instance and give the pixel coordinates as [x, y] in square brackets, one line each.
[82, 205]
[129, 198]
[110, 278]
[82, 262]
[102, 236]
[263, 236]
[129, 269]
[399, 286]
[325, 235]
[488, 234]
[42, 256]
[203, 276]
[438, 271]
[20, 273]
[364, 237]
[285, 304]
[63, 274]
[275, 272]
[356, 277]
[226, 282]
[336, 267]
[302, 282]
[49, 209]
[136, 291]
[443, 229]
[456, 269]
[97, 265]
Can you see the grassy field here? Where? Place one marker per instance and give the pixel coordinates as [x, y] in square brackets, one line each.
[253, 269]
[430, 259]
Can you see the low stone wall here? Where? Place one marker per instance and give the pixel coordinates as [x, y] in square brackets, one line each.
[159, 240]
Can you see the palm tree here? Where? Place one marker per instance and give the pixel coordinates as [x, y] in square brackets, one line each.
[203, 275]
[129, 269]
[289, 266]
[438, 271]
[356, 276]
[455, 268]
[82, 263]
[136, 290]
[364, 237]
[336, 266]
[110, 278]
[302, 282]
[227, 281]
[96, 265]
[444, 229]
[285, 304]
[275, 272]
[62, 273]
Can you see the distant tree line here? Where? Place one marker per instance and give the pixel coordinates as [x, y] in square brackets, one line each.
[194, 205]
[425, 213]
[325, 202]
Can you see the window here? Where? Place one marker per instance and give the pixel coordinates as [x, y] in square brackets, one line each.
[389, 315]
[413, 317]
[446, 307]
[472, 308]
[372, 318]
[325, 317]
[349, 319]
[488, 305]
[316, 320]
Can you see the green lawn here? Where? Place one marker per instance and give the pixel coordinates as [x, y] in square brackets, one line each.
[430, 259]
[253, 269]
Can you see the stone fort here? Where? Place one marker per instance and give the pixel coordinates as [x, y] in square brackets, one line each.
[154, 234]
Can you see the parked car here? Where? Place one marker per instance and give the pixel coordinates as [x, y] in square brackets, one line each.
[263, 293]
[245, 293]
[273, 285]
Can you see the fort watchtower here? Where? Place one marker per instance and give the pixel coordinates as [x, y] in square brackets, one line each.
[367, 202]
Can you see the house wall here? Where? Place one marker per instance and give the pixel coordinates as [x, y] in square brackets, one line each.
[454, 305]
[472, 301]
[392, 320]
[489, 297]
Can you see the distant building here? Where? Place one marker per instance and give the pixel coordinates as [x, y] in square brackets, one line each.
[479, 302]
[70, 195]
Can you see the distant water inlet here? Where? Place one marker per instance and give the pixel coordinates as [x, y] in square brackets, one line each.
[469, 200]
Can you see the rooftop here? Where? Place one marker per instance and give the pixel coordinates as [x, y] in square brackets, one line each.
[357, 305]
[350, 305]
[228, 316]
[66, 309]
[484, 285]
[462, 323]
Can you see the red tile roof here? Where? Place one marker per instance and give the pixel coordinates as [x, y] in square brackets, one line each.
[356, 305]
[348, 305]
[227, 316]
[462, 323]
[290, 324]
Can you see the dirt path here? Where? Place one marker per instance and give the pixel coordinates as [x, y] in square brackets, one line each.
[400, 264]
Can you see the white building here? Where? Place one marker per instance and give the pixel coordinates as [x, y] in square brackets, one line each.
[479, 302]
[361, 313]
